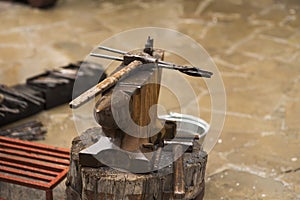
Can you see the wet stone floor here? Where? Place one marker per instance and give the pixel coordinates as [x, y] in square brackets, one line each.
[255, 44]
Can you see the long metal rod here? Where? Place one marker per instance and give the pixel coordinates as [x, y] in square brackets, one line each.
[163, 65]
[63, 151]
[190, 70]
[33, 150]
[104, 85]
[166, 64]
[138, 60]
[106, 56]
[112, 50]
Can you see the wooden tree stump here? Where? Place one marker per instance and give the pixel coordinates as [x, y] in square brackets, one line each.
[106, 183]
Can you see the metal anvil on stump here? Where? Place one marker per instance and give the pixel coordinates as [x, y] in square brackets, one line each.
[108, 163]
[104, 183]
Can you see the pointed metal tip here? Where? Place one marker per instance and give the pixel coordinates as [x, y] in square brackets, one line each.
[112, 50]
[71, 105]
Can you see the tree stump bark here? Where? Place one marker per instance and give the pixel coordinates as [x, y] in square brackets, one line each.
[88, 183]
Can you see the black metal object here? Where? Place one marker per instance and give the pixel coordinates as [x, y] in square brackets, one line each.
[33, 130]
[47, 90]
[25, 108]
[21, 95]
[56, 91]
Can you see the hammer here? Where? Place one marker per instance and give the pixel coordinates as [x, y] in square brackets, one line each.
[179, 146]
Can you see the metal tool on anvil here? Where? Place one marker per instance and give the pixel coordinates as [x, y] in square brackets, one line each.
[190, 134]
[189, 70]
[127, 60]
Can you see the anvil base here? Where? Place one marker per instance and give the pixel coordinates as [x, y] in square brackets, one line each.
[103, 182]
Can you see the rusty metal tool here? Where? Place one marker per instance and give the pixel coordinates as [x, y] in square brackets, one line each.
[104, 85]
[112, 80]
[112, 50]
[190, 133]
[178, 146]
[178, 174]
[189, 70]
[156, 158]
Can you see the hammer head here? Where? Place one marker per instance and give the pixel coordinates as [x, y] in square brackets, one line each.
[188, 128]
[187, 145]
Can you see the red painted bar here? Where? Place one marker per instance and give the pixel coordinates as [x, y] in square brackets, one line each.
[59, 178]
[25, 174]
[34, 150]
[32, 163]
[24, 182]
[35, 145]
[34, 156]
[27, 168]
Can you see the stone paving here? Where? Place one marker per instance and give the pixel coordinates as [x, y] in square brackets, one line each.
[255, 44]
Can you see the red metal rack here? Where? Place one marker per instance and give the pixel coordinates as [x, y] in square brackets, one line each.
[33, 165]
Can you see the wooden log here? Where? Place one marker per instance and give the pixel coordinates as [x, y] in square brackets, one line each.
[105, 183]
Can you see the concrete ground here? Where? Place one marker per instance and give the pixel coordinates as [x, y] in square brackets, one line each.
[255, 44]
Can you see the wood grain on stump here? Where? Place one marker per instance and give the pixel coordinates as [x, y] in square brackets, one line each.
[107, 183]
